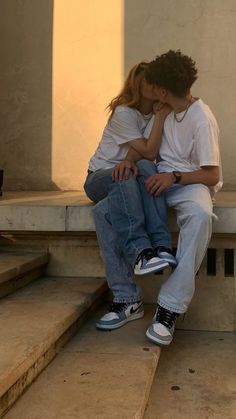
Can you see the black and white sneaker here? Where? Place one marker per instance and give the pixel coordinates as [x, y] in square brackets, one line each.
[166, 254]
[148, 263]
[162, 328]
[119, 314]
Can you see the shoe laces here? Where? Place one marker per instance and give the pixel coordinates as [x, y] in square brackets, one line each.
[166, 317]
[164, 249]
[146, 253]
[117, 307]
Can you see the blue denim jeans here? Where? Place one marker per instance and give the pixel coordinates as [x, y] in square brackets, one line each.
[97, 184]
[136, 224]
[155, 208]
[193, 207]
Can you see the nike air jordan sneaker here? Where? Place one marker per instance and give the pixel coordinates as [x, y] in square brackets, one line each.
[119, 314]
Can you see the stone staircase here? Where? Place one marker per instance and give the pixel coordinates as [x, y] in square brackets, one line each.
[96, 375]
[37, 320]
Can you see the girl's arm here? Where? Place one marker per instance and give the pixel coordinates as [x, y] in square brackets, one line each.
[149, 148]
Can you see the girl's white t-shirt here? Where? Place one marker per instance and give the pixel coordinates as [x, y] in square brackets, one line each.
[190, 144]
[126, 124]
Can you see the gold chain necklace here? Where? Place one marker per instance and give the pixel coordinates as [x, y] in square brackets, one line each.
[186, 110]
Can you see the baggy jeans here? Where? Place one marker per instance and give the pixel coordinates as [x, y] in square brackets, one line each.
[194, 212]
[131, 216]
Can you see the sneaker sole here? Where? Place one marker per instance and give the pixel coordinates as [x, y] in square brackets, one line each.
[157, 341]
[171, 262]
[120, 324]
[152, 269]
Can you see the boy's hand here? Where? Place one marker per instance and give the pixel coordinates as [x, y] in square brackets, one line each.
[155, 184]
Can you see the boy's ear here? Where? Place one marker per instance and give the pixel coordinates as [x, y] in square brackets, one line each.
[164, 92]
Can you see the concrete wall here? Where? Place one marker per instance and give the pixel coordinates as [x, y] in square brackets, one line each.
[63, 62]
[26, 93]
[206, 30]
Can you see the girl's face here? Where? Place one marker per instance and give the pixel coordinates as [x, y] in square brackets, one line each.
[148, 91]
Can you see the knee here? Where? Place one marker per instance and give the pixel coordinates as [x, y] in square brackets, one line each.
[146, 167]
[202, 216]
[101, 208]
[130, 183]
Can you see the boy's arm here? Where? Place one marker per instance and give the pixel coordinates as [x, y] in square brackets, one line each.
[207, 175]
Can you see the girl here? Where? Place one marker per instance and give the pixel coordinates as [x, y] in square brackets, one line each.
[147, 251]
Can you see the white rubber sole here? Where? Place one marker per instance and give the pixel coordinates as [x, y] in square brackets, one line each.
[171, 262]
[153, 269]
[120, 324]
[157, 341]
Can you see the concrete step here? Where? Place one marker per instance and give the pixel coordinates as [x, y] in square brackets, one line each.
[35, 322]
[19, 268]
[195, 378]
[100, 375]
[71, 237]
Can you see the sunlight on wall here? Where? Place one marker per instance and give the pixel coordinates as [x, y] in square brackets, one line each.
[87, 74]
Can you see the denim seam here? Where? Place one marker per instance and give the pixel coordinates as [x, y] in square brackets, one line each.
[136, 249]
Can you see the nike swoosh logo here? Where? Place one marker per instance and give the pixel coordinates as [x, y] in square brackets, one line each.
[132, 311]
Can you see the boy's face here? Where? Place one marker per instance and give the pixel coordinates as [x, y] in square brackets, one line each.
[161, 93]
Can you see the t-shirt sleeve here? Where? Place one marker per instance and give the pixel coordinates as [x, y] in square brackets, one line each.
[207, 144]
[124, 125]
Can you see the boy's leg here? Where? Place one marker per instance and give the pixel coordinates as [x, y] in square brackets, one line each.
[193, 207]
[194, 216]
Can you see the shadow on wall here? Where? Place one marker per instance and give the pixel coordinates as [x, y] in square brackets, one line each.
[26, 94]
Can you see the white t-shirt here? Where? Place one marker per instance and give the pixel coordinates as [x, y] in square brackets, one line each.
[126, 124]
[190, 144]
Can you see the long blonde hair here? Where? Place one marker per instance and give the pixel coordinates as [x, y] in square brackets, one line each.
[130, 94]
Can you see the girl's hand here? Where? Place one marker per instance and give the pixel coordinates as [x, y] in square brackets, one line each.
[124, 169]
[161, 110]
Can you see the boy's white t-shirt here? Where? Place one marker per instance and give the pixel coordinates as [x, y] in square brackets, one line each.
[126, 124]
[190, 144]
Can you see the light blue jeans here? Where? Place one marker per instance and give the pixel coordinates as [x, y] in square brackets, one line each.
[193, 206]
[136, 224]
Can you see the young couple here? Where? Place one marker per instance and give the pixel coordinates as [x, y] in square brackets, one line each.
[155, 117]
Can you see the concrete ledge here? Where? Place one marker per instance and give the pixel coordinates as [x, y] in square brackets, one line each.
[72, 212]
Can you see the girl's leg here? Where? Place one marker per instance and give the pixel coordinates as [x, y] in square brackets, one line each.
[97, 184]
[155, 208]
[118, 272]
[127, 218]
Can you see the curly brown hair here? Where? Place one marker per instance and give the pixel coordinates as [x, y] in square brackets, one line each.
[174, 71]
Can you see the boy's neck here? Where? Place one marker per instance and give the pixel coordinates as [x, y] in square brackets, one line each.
[179, 104]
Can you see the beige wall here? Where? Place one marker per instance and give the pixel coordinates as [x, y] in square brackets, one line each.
[206, 30]
[63, 61]
[87, 73]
